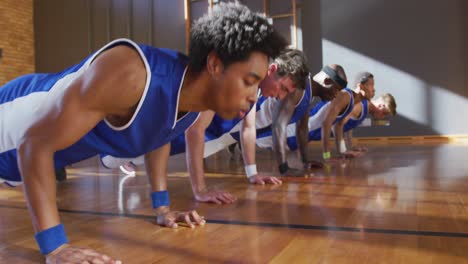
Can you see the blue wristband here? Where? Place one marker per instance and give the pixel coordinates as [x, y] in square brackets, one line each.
[50, 239]
[160, 198]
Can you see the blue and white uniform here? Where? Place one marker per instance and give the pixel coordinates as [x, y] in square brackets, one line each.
[221, 133]
[317, 116]
[355, 122]
[263, 121]
[153, 124]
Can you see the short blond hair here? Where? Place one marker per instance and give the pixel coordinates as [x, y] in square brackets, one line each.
[389, 102]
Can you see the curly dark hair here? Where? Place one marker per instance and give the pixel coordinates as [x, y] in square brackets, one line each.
[293, 62]
[233, 32]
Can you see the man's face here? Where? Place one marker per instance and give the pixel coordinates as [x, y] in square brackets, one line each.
[276, 86]
[235, 87]
[381, 111]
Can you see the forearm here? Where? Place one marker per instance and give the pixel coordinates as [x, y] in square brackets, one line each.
[338, 133]
[37, 170]
[326, 128]
[156, 167]
[302, 136]
[248, 137]
[336, 106]
[279, 143]
[281, 118]
[348, 135]
[194, 154]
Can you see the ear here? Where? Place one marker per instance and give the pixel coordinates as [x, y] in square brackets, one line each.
[214, 65]
[327, 81]
[360, 89]
[272, 68]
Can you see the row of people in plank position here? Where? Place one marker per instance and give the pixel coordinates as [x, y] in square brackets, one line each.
[133, 100]
[279, 127]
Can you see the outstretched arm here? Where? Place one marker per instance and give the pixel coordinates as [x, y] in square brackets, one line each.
[348, 138]
[156, 169]
[348, 135]
[195, 139]
[281, 118]
[336, 106]
[248, 137]
[67, 117]
[338, 134]
[302, 135]
[341, 148]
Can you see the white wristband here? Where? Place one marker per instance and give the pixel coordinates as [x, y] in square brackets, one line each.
[251, 170]
[342, 146]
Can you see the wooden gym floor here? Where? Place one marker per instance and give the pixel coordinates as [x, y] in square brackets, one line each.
[397, 204]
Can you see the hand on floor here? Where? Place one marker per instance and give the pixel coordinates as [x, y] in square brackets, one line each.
[313, 164]
[170, 218]
[351, 154]
[72, 255]
[217, 197]
[261, 179]
[360, 149]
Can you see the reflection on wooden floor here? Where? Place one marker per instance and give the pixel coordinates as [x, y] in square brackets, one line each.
[397, 204]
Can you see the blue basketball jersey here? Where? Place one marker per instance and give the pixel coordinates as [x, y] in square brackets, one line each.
[300, 110]
[153, 124]
[315, 130]
[217, 128]
[353, 123]
[220, 133]
[301, 107]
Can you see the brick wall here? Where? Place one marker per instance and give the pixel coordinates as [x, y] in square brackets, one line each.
[16, 39]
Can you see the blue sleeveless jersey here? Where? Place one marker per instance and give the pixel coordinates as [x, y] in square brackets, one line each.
[219, 127]
[215, 129]
[153, 124]
[299, 111]
[353, 123]
[301, 107]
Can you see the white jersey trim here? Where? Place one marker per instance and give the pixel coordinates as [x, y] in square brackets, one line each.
[362, 112]
[148, 79]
